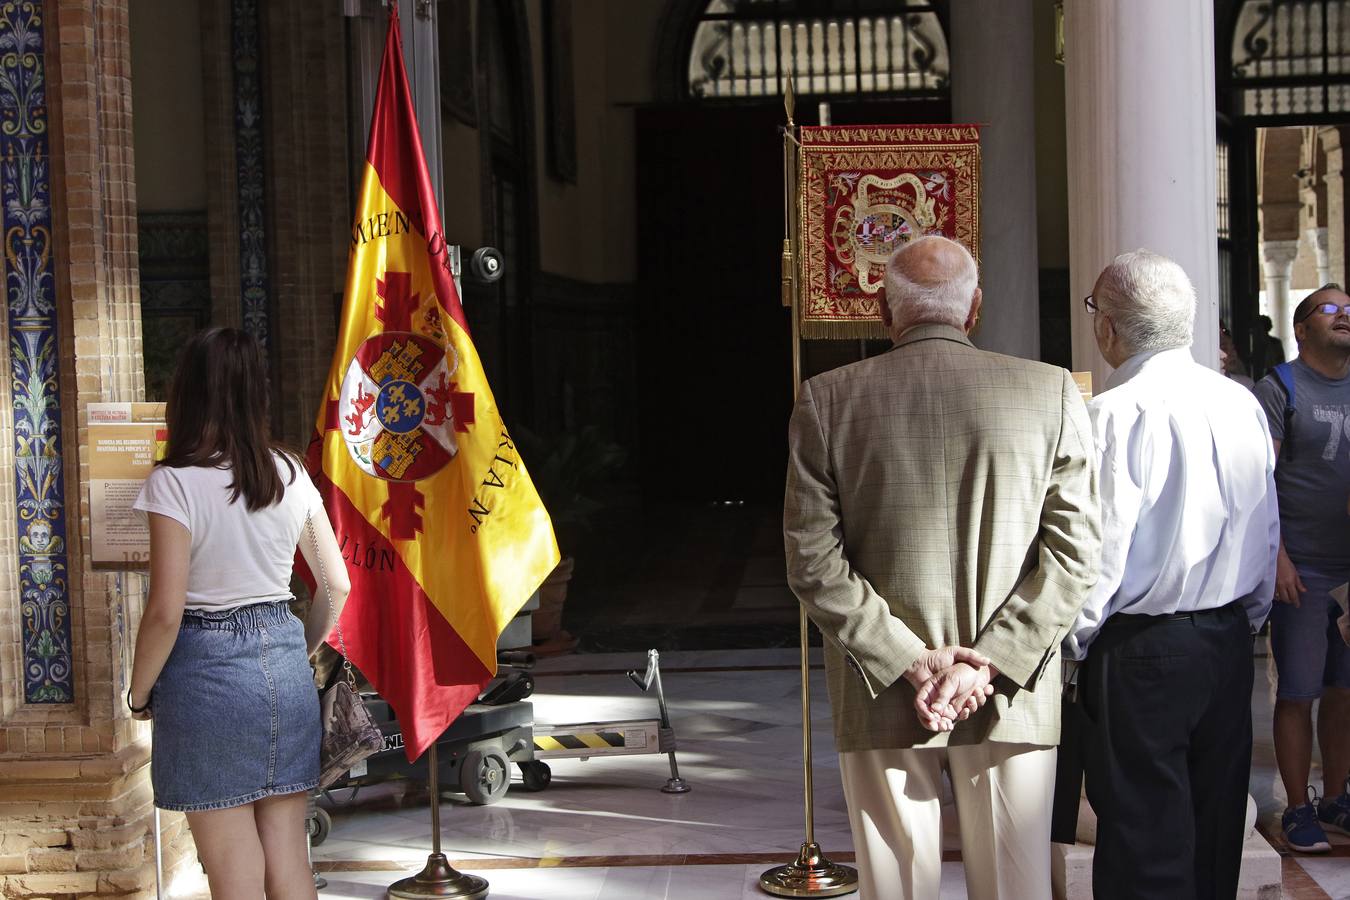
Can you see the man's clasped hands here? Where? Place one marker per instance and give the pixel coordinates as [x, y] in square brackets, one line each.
[951, 683]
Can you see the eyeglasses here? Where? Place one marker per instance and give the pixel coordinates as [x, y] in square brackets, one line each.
[1329, 309]
[1090, 305]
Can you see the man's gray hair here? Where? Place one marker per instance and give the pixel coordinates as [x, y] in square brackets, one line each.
[939, 292]
[1150, 300]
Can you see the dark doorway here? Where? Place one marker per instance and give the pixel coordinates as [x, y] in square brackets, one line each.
[715, 371]
[697, 561]
[715, 365]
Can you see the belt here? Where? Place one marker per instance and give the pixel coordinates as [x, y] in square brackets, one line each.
[1138, 619]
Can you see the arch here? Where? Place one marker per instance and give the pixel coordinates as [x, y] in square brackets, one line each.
[1286, 58]
[1279, 155]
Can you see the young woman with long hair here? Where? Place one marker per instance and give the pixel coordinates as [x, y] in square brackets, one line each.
[221, 663]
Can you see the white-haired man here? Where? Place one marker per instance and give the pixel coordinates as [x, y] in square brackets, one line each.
[1189, 537]
[941, 530]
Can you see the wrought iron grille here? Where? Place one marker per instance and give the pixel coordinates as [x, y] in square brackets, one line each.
[747, 48]
[1292, 57]
[1223, 219]
[1221, 189]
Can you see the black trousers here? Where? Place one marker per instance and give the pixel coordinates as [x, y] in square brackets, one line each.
[1167, 754]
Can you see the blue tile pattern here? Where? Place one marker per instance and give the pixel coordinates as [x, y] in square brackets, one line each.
[248, 149]
[30, 296]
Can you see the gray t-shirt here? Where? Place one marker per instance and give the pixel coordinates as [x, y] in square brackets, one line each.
[1314, 486]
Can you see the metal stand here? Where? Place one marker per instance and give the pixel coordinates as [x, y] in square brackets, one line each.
[159, 860]
[319, 881]
[811, 874]
[674, 784]
[438, 878]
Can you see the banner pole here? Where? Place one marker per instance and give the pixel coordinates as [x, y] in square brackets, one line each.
[438, 878]
[811, 874]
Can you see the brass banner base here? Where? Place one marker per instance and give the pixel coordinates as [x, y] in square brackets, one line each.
[809, 875]
[439, 879]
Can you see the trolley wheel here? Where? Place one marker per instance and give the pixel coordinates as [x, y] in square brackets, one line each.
[320, 825]
[535, 775]
[484, 776]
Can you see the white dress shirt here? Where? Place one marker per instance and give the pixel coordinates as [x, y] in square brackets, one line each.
[1189, 515]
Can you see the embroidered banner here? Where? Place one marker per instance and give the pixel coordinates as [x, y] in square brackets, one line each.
[865, 190]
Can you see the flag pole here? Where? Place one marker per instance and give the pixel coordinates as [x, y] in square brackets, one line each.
[811, 874]
[438, 878]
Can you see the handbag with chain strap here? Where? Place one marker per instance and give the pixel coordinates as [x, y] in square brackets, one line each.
[349, 733]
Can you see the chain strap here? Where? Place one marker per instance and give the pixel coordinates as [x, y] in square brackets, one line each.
[347, 670]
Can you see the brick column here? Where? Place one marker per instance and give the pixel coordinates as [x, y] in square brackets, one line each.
[1317, 239]
[222, 177]
[1312, 196]
[75, 799]
[1334, 178]
[308, 200]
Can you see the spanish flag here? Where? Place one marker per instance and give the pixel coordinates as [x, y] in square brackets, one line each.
[441, 528]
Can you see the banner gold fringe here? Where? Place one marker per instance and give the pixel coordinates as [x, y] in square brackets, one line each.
[817, 330]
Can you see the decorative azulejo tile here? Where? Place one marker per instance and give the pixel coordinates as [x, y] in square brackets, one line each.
[249, 153]
[31, 309]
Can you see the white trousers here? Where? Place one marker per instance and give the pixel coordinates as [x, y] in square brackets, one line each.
[1003, 794]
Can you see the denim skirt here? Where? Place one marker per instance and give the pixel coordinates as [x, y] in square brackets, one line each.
[236, 714]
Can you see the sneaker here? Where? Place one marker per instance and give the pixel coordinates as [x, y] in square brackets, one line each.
[1302, 831]
[1335, 814]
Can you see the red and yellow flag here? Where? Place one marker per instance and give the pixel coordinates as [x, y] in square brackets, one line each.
[441, 528]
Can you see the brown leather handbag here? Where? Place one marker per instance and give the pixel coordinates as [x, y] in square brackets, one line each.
[349, 733]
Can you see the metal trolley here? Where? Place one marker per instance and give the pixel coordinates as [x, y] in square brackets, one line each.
[477, 751]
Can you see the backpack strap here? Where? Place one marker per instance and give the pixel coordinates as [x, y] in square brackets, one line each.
[1284, 375]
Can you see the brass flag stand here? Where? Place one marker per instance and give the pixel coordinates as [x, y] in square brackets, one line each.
[811, 874]
[438, 878]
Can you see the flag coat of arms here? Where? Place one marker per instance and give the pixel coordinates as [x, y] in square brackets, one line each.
[440, 526]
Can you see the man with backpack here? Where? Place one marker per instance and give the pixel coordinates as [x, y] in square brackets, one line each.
[1307, 402]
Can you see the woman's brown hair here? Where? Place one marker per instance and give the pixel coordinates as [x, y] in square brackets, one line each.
[218, 415]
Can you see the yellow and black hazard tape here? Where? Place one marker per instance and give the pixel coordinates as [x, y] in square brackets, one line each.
[587, 739]
[580, 740]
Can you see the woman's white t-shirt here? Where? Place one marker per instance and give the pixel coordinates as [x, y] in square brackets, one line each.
[238, 557]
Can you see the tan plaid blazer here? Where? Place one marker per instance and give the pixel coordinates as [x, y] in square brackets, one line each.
[937, 495]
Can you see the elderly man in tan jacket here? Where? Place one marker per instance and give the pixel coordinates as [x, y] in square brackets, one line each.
[942, 532]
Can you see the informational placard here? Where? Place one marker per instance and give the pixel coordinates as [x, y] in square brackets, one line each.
[125, 439]
[1084, 382]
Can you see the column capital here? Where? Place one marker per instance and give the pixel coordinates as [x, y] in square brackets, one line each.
[1278, 256]
[1307, 188]
[1318, 238]
[1330, 137]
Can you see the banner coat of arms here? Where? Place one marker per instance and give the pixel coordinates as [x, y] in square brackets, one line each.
[865, 190]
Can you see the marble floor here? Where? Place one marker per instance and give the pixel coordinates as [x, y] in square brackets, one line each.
[603, 830]
[1311, 876]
